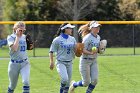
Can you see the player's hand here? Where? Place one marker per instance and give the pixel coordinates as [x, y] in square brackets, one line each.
[51, 65]
[94, 51]
[19, 32]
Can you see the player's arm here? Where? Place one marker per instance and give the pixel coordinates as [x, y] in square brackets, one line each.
[51, 60]
[52, 50]
[15, 45]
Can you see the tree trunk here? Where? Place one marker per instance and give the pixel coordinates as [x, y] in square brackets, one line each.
[75, 18]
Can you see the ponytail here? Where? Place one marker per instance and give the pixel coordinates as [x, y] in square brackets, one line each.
[84, 30]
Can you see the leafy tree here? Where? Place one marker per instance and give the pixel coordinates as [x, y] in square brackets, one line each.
[107, 10]
[3, 33]
[130, 9]
[47, 9]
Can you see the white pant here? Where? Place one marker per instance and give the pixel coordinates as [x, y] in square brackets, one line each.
[89, 71]
[14, 69]
[65, 71]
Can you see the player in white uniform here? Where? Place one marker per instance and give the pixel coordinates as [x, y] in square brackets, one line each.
[19, 63]
[88, 61]
[64, 46]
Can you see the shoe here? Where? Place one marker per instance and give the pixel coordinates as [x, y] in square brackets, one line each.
[71, 89]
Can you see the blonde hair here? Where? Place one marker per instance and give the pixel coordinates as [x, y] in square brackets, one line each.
[84, 29]
[18, 25]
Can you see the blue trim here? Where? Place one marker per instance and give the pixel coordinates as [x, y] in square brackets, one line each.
[65, 36]
[79, 83]
[65, 61]
[26, 87]
[90, 88]
[51, 52]
[94, 35]
[10, 90]
[18, 61]
[63, 85]
[66, 88]
[61, 90]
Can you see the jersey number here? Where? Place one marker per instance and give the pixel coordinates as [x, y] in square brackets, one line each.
[68, 51]
[22, 48]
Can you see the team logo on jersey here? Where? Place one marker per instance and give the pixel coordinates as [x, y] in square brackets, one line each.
[22, 42]
[66, 45]
[94, 44]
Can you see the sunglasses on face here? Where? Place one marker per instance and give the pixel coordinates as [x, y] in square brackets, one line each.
[22, 30]
[68, 28]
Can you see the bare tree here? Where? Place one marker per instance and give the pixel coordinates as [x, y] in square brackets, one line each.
[75, 10]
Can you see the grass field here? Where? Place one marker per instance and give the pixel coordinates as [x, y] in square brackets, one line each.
[117, 74]
[44, 51]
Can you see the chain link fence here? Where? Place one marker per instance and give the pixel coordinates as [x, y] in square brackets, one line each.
[123, 39]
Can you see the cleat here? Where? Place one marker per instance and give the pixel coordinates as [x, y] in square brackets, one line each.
[71, 89]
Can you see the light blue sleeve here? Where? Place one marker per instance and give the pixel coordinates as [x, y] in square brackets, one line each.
[86, 43]
[54, 45]
[10, 40]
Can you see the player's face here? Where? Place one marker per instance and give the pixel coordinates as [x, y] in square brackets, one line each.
[68, 31]
[21, 30]
[95, 29]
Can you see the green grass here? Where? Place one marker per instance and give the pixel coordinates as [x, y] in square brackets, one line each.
[117, 74]
[44, 51]
[120, 51]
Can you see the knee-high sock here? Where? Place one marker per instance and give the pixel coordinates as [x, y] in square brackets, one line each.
[10, 90]
[66, 90]
[26, 89]
[90, 88]
[62, 87]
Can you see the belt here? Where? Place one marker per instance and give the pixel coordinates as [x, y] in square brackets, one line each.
[18, 61]
[65, 61]
[89, 58]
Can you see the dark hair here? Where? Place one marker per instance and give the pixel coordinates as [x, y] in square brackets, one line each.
[59, 31]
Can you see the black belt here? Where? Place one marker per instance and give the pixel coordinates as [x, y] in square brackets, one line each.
[89, 58]
[18, 61]
[65, 61]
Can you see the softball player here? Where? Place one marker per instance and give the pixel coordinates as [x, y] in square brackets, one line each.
[64, 46]
[19, 63]
[88, 61]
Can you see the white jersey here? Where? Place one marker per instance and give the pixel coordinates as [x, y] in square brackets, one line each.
[90, 41]
[21, 53]
[64, 48]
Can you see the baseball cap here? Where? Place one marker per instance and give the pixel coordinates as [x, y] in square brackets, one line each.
[67, 26]
[94, 24]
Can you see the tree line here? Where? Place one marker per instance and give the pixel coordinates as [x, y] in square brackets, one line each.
[66, 10]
